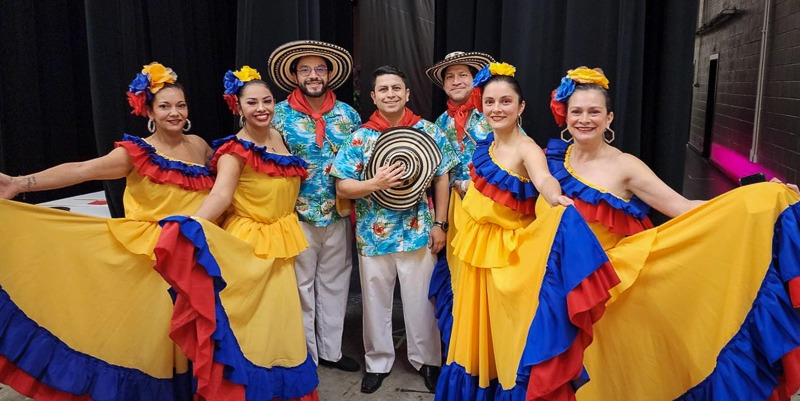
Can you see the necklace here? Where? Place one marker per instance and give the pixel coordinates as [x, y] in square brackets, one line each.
[266, 144]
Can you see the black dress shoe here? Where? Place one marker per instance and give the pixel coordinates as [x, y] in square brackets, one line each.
[372, 382]
[430, 375]
[346, 364]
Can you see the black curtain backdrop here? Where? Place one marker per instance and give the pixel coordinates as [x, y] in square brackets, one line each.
[45, 101]
[644, 47]
[399, 33]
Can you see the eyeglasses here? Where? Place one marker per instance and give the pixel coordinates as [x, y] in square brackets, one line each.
[306, 71]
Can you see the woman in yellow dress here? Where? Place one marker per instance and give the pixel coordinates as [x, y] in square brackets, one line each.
[83, 315]
[704, 310]
[526, 288]
[260, 344]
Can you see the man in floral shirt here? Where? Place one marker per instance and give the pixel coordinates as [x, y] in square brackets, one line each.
[395, 244]
[315, 125]
[463, 123]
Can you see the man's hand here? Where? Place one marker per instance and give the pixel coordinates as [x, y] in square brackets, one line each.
[461, 187]
[438, 239]
[388, 176]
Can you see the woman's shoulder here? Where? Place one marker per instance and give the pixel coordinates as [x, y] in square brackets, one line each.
[528, 145]
[628, 163]
[528, 142]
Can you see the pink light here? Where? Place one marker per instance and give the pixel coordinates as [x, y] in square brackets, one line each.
[736, 165]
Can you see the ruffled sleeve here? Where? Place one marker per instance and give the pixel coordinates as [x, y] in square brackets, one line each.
[503, 187]
[258, 158]
[162, 170]
[621, 216]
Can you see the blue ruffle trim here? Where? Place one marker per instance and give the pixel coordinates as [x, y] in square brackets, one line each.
[786, 243]
[486, 168]
[261, 151]
[574, 188]
[456, 384]
[260, 383]
[748, 367]
[575, 255]
[36, 351]
[162, 162]
[441, 289]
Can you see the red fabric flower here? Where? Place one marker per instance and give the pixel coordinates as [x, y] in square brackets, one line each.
[559, 110]
[232, 102]
[138, 104]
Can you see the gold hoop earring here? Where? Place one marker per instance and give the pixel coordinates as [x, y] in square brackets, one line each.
[188, 126]
[519, 120]
[151, 126]
[613, 135]
[566, 131]
[242, 122]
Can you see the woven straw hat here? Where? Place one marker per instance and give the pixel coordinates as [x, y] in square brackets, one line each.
[281, 59]
[476, 60]
[417, 152]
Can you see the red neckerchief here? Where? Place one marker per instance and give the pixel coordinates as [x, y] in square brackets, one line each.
[378, 123]
[298, 102]
[461, 112]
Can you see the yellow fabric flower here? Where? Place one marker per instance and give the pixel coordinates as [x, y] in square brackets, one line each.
[246, 74]
[585, 75]
[159, 75]
[502, 69]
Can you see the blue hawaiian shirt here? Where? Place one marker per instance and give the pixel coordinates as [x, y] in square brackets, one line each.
[380, 231]
[316, 203]
[477, 127]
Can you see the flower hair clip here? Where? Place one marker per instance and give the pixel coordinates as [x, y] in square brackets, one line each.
[146, 84]
[580, 75]
[233, 81]
[493, 69]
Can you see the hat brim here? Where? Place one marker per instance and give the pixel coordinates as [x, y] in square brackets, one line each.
[475, 60]
[420, 156]
[281, 59]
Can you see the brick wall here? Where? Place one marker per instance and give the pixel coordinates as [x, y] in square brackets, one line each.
[737, 41]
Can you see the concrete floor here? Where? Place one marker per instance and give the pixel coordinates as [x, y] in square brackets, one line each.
[701, 181]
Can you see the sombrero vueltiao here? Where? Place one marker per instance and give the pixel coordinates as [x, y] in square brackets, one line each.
[282, 58]
[420, 156]
[476, 60]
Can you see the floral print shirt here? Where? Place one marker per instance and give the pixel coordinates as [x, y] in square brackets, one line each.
[316, 203]
[380, 231]
[477, 127]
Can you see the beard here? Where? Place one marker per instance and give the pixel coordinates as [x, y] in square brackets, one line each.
[309, 93]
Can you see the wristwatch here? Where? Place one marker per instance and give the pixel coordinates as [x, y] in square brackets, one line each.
[441, 224]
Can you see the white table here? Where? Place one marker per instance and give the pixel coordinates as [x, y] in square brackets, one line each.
[93, 204]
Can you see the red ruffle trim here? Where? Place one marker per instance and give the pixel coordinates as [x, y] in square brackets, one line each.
[586, 303]
[789, 382]
[502, 197]
[193, 317]
[616, 220]
[254, 160]
[794, 291]
[141, 159]
[26, 385]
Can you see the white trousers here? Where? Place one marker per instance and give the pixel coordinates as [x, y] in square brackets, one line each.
[378, 275]
[323, 278]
